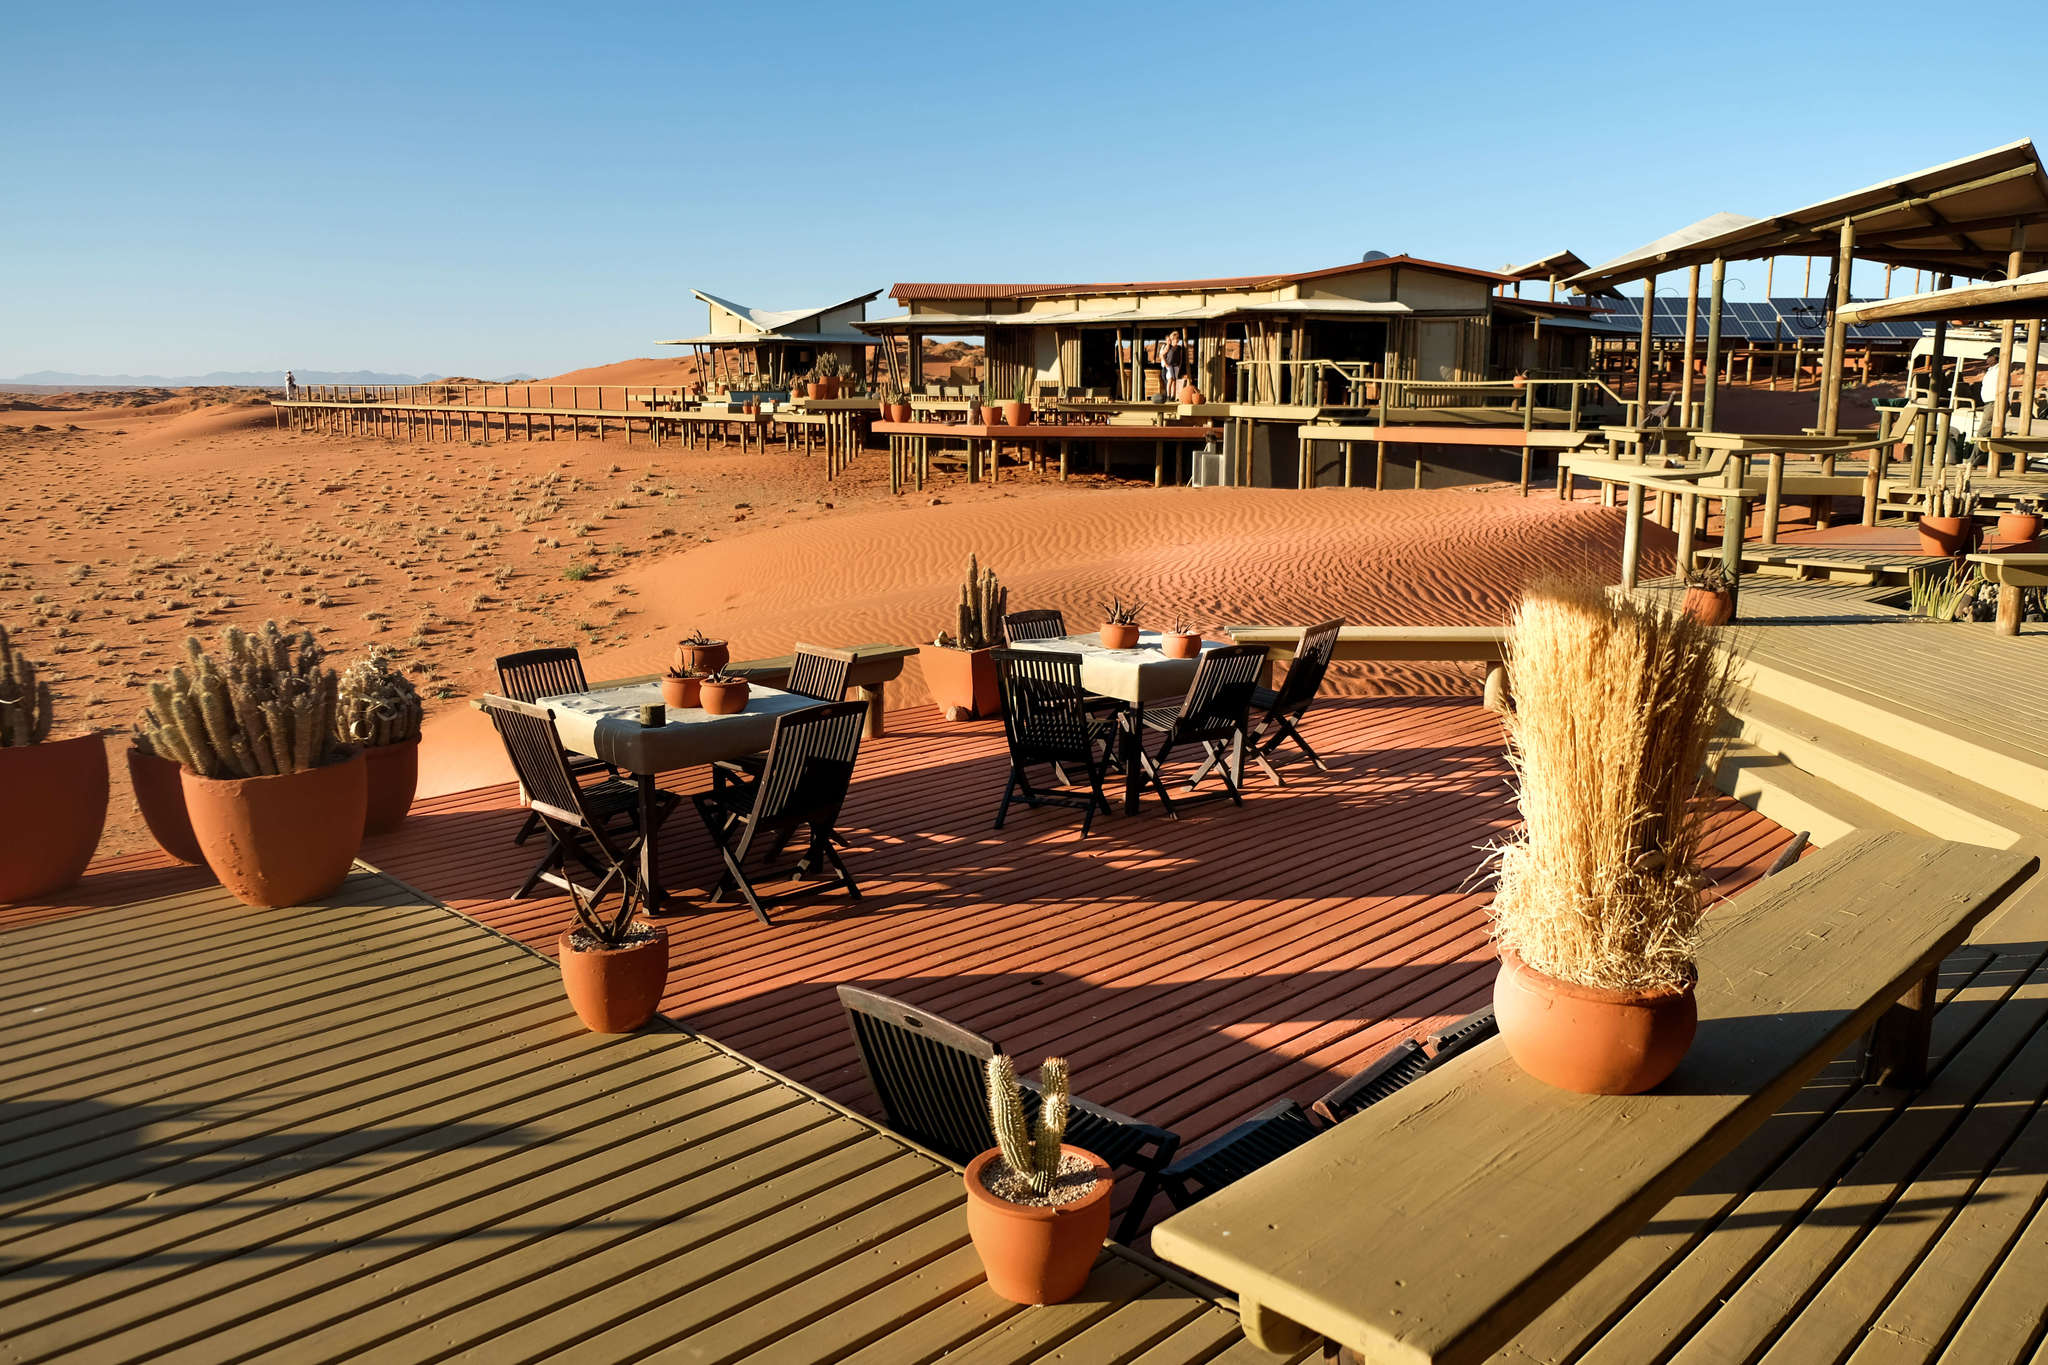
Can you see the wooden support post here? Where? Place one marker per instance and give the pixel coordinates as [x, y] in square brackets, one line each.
[1774, 488]
[1688, 514]
[1632, 537]
[1643, 351]
[876, 696]
[1159, 462]
[1897, 1054]
[1526, 454]
[2029, 386]
[2013, 262]
[1714, 297]
[1831, 393]
[1379, 466]
[1692, 315]
[2010, 596]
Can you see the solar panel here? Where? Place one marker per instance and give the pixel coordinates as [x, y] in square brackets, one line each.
[1786, 318]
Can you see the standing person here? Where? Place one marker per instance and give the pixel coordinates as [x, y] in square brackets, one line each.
[291, 386]
[1173, 365]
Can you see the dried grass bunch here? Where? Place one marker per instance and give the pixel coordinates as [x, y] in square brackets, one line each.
[1615, 704]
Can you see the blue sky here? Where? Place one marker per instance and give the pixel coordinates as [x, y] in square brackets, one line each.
[515, 187]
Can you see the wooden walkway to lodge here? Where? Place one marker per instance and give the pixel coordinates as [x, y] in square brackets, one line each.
[372, 1130]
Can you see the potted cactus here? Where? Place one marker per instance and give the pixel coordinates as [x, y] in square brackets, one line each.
[1182, 641]
[277, 801]
[1120, 624]
[53, 792]
[696, 653]
[899, 406]
[680, 690]
[614, 967]
[378, 709]
[825, 381]
[1037, 1209]
[957, 666]
[1949, 528]
[723, 694]
[1017, 410]
[1710, 594]
[2022, 525]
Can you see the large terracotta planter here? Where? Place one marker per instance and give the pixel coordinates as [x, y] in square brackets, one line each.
[284, 839]
[680, 694]
[53, 805]
[1945, 535]
[392, 778]
[1115, 636]
[160, 796]
[1592, 1041]
[1016, 413]
[615, 990]
[1037, 1255]
[1189, 394]
[962, 681]
[1716, 608]
[1179, 646]
[709, 657]
[2019, 528]
[723, 698]
[899, 412]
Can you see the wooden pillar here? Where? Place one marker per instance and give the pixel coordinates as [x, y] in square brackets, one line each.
[2033, 374]
[1714, 296]
[2012, 271]
[1838, 298]
[2009, 598]
[1692, 312]
[1688, 514]
[1643, 351]
[1632, 536]
[1774, 488]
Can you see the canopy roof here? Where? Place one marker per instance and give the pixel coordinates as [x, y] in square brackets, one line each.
[1555, 266]
[922, 290]
[2024, 296]
[1078, 317]
[779, 319]
[1959, 218]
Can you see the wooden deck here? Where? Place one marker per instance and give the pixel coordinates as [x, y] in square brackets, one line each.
[371, 1130]
[1192, 971]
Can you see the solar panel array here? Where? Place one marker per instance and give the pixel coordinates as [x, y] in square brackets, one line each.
[1778, 319]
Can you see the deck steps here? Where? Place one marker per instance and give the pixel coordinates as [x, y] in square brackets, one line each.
[1778, 789]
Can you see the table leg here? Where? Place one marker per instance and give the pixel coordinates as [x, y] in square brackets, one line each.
[655, 897]
[1134, 726]
[1897, 1055]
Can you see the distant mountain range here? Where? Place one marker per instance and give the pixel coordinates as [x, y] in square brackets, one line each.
[225, 378]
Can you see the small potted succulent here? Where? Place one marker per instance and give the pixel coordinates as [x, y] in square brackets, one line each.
[1037, 1209]
[899, 406]
[680, 690]
[697, 653]
[1710, 594]
[1120, 624]
[825, 377]
[53, 792]
[1181, 641]
[614, 967]
[1600, 895]
[723, 694]
[377, 708]
[2022, 525]
[958, 667]
[1949, 528]
[1017, 410]
[986, 411]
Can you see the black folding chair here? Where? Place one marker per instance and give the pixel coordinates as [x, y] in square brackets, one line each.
[803, 782]
[1037, 624]
[1046, 720]
[1281, 709]
[1212, 717]
[814, 672]
[535, 673]
[932, 1078]
[578, 820]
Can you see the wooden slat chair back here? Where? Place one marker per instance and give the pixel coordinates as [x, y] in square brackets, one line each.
[1282, 708]
[819, 672]
[1037, 624]
[535, 673]
[932, 1078]
[1213, 716]
[1047, 720]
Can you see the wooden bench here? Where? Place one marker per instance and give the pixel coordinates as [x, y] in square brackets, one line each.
[1438, 1223]
[1395, 644]
[2012, 573]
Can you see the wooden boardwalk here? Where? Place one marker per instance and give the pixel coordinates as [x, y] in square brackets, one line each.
[1192, 971]
[372, 1130]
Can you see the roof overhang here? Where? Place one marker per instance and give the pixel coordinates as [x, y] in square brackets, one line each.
[1555, 266]
[773, 339]
[1957, 218]
[2025, 296]
[778, 319]
[1119, 317]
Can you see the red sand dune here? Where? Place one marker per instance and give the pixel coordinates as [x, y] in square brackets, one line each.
[680, 368]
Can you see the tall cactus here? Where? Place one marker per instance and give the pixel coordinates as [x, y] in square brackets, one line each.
[983, 601]
[376, 704]
[270, 708]
[1035, 1157]
[24, 700]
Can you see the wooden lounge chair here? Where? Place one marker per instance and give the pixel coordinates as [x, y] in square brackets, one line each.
[932, 1078]
[804, 782]
[1282, 708]
[813, 672]
[1212, 716]
[535, 673]
[1046, 720]
[580, 821]
[1047, 623]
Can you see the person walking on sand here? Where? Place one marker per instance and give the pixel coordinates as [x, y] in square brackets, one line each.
[291, 387]
[1173, 365]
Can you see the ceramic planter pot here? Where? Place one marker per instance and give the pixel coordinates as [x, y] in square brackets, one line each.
[2019, 528]
[1592, 1041]
[160, 796]
[284, 839]
[1119, 637]
[709, 657]
[723, 698]
[1037, 1255]
[680, 694]
[1016, 414]
[615, 990]
[391, 777]
[814, 390]
[1716, 608]
[1178, 646]
[962, 681]
[899, 412]
[1190, 394]
[1945, 535]
[53, 805]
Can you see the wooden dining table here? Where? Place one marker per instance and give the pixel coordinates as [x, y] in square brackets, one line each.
[605, 724]
[1138, 677]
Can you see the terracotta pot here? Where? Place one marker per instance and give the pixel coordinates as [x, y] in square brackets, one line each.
[1716, 608]
[1946, 535]
[615, 990]
[962, 681]
[2019, 528]
[1119, 636]
[814, 390]
[1015, 413]
[899, 412]
[284, 839]
[1037, 1255]
[392, 776]
[680, 694]
[1178, 646]
[705, 658]
[723, 698]
[53, 805]
[1592, 1041]
[1190, 394]
[160, 796]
